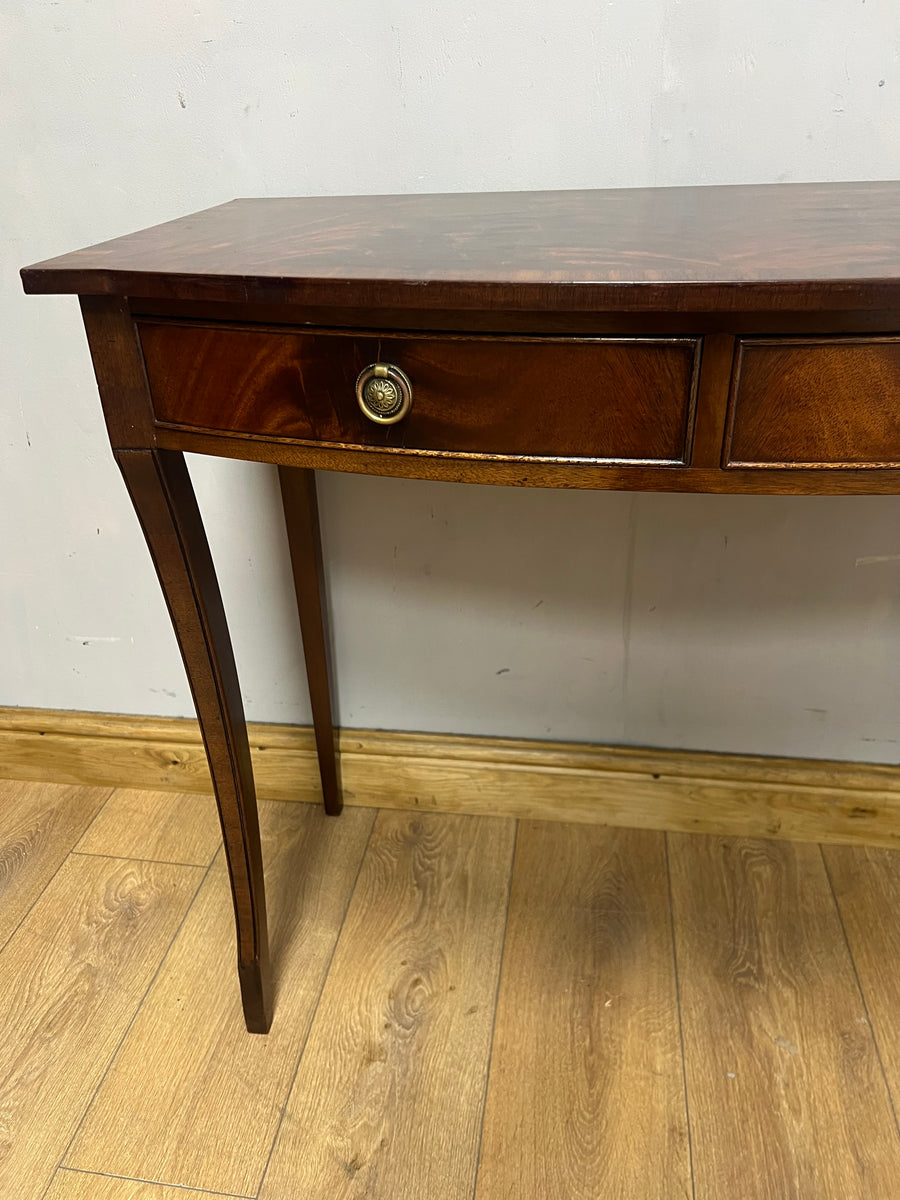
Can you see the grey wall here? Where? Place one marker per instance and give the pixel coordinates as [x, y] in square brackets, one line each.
[733, 623]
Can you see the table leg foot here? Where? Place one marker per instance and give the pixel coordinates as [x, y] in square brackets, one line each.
[256, 994]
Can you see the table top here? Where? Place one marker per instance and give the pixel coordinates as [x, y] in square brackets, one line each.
[782, 247]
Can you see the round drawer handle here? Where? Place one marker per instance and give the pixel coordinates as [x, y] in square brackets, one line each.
[384, 393]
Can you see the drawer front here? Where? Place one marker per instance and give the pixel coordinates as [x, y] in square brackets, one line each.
[611, 400]
[816, 403]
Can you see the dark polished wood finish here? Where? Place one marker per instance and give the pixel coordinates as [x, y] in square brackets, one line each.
[742, 339]
[301, 516]
[816, 403]
[163, 498]
[619, 401]
[533, 472]
[161, 491]
[807, 246]
[718, 359]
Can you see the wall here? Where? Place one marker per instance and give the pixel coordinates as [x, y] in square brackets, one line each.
[732, 623]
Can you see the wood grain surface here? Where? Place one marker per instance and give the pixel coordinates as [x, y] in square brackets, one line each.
[866, 882]
[610, 323]
[586, 1094]
[166, 739]
[712, 400]
[39, 825]
[786, 1095]
[785, 1088]
[565, 398]
[78, 1185]
[388, 1099]
[829, 403]
[299, 500]
[192, 1099]
[71, 979]
[802, 246]
[161, 826]
[118, 367]
[754, 796]
[163, 498]
[532, 472]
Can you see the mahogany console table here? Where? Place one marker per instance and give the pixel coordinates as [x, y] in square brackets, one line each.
[720, 339]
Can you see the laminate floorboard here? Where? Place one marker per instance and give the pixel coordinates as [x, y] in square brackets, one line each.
[586, 1094]
[39, 825]
[572, 1020]
[162, 826]
[866, 883]
[193, 1099]
[388, 1099]
[71, 979]
[786, 1095]
[78, 1185]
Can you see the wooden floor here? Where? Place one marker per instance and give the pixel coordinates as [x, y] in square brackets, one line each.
[468, 1009]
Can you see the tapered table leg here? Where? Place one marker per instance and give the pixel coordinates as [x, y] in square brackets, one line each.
[161, 491]
[301, 514]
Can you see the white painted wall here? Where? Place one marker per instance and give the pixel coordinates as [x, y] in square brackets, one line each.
[733, 623]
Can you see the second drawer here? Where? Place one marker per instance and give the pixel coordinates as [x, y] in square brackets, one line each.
[815, 402]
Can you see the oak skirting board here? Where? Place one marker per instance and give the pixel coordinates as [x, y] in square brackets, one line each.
[799, 799]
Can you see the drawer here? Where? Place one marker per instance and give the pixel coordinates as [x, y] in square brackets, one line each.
[612, 400]
[815, 403]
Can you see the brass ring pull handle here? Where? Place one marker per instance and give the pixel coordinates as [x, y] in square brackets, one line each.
[384, 393]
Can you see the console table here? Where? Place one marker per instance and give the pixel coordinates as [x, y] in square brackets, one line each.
[716, 339]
